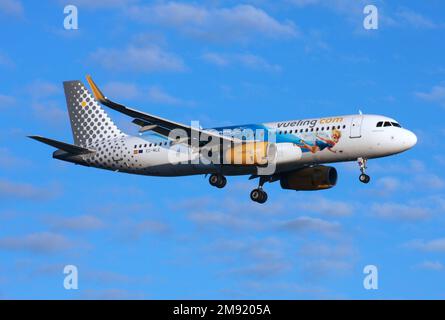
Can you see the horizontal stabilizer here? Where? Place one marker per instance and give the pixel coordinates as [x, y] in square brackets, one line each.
[70, 148]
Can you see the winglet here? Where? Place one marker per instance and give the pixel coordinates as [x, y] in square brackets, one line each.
[97, 93]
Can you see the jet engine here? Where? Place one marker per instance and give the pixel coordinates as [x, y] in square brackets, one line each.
[262, 153]
[282, 153]
[247, 153]
[310, 178]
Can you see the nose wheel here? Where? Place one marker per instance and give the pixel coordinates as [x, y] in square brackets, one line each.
[364, 178]
[218, 180]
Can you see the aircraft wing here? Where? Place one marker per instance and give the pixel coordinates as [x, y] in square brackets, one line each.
[154, 123]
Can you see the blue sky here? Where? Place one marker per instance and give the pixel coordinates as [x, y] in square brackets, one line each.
[223, 63]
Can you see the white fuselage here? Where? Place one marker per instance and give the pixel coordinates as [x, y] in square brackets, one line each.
[322, 140]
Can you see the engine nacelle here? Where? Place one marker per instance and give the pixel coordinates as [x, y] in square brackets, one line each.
[260, 153]
[248, 153]
[310, 178]
[282, 153]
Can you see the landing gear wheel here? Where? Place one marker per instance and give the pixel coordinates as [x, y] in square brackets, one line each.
[218, 180]
[222, 181]
[263, 197]
[364, 178]
[258, 195]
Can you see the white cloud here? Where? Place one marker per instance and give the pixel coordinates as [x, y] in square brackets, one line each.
[138, 59]
[8, 160]
[247, 60]
[436, 245]
[429, 181]
[400, 211]
[414, 19]
[239, 23]
[324, 267]
[50, 112]
[12, 8]
[44, 242]
[327, 251]
[385, 186]
[353, 9]
[158, 95]
[6, 101]
[430, 265]
[102, 4]
[133, 230]
[308, 224]
[326, 206]
[131, 91]
[435, 95]
[121, 90]
[43, 89]
[79, 223]
[222, 219]
[17, 190]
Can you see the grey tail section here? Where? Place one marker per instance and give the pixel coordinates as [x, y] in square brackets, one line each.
[69, 148]
[89, 121]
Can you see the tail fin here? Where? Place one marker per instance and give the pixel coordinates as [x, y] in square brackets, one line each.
[89, 122]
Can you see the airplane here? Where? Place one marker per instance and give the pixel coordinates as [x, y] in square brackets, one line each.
[293, 152]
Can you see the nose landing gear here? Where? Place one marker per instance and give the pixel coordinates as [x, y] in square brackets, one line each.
[218, 180]
[364, 178]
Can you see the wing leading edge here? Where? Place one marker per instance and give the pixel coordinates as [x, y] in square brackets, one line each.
[157, 124]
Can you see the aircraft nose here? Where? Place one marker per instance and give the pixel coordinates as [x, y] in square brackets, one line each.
[411, 139]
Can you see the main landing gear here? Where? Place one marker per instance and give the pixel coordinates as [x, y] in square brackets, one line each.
[218, 180]
[259, 195]
[364, 178]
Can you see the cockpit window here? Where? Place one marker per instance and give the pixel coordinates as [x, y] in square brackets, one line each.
[387, 124]
[379, 124]
[395, 124]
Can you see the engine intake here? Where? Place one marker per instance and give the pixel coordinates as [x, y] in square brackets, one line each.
[310, 178]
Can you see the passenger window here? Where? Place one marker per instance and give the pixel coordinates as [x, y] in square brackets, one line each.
[307, 130]
[379, 124]
[344, 126]
[387, 124]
